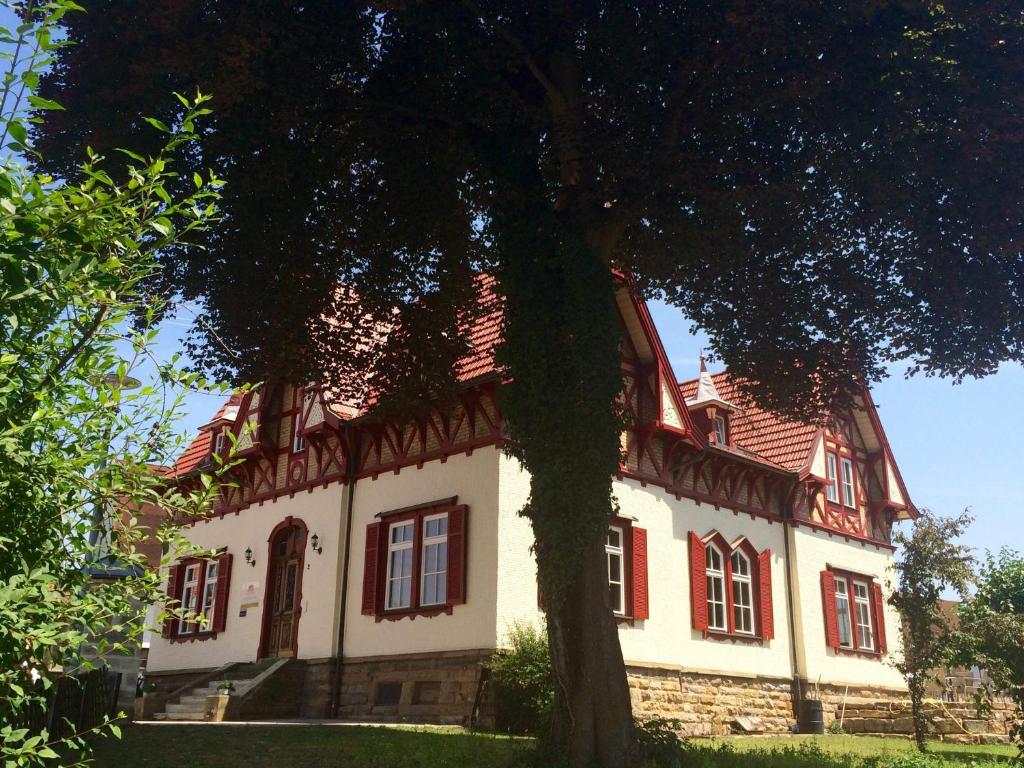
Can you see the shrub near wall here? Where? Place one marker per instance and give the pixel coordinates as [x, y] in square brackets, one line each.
[524, 682]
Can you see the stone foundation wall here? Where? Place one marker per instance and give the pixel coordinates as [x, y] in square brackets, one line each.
[426, 688]
[947, 721]
[708, 704]
[316, 688]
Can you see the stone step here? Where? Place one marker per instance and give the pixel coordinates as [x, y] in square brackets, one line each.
[184, 709]
[184, 716]
[194, 700]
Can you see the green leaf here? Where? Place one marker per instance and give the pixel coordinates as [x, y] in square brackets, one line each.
[158, 124]
[40, 103]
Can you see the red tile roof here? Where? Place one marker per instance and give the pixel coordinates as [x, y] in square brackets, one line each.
[483, 333]
[199, 448]
[768, 436]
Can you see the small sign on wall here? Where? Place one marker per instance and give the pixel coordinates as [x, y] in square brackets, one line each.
[243, 609]
[249, 599]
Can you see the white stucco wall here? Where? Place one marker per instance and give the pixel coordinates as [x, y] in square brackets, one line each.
[474, 479]
[323, 513]
[814, 551]
[667, 637]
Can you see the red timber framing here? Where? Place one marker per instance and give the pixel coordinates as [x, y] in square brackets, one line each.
[271, 468]
[661, 446]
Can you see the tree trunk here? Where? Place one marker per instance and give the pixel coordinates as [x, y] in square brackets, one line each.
[562, 352]
[593, 717]
[916, 711]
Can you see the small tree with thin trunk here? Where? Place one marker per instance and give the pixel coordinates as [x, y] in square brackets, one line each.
[930, 564]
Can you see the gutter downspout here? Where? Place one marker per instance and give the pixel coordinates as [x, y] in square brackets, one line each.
[797, 686]
[352, 442]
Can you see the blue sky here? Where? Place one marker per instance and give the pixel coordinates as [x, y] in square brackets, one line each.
[955, 445]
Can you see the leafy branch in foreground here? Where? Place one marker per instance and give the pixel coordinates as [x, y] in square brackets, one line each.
[82, 448]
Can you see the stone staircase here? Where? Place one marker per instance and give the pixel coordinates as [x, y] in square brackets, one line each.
[190, 703]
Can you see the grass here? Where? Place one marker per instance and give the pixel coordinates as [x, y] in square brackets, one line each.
[331, 746]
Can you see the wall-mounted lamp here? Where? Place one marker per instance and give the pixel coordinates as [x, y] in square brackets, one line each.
[249, 560]
[314, 542]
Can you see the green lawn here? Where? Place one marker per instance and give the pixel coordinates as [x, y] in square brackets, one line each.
[329, 746]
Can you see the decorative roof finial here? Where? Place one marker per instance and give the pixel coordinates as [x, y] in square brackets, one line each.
[703, 364]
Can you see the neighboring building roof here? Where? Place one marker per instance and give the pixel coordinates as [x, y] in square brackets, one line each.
[767, 435]
[199, 448]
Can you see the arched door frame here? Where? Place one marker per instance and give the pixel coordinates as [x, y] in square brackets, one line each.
[268, 597]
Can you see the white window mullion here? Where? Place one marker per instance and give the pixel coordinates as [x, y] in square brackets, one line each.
[742, 594]
[862, 603]
[189, 594]
[843, 613]
[616, 579]
[848, 495]
[210, 593]
[434, 578]
[832, 489]
[714, 566]
[399, 575]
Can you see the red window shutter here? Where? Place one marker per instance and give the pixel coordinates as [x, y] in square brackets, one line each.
[828, 597]
[371, 568]
[764, 577]
[878, 603]
[457, 555]
[698, 584]
[220, 608]
[175, 575]
[641, 608]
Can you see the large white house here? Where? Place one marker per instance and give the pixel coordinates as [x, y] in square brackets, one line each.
[386, 562]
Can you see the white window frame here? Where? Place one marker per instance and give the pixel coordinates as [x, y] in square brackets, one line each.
[393, 547]
[844, 595]
[832, 489]
[611, 551]
[298, 441]
[721, 430]
[441, 588]
[209, 593]
[741, 581]
[712, 576]
[849, 489]
[189, 596]
[218, 442]
[862, 615]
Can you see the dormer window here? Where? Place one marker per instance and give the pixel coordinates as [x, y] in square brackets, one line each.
[218, 442]
[721, 430]
[832, 489]
[847, 480]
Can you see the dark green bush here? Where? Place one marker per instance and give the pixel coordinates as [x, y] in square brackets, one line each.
[524, 683]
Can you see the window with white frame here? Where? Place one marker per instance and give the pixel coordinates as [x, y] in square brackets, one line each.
[399, 575]
[218, 442]
[298, 441]
[210, 592]
[613, 549]
[721, 435]
[714, 565]
[847, 467]
[862, 604]
[189, 594]
[843, 612]
[832, 489]
[742, 594]
[434, 582]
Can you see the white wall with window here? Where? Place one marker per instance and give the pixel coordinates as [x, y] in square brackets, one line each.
[816, 551]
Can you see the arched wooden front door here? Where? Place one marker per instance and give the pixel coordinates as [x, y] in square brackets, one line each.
[283, 599]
